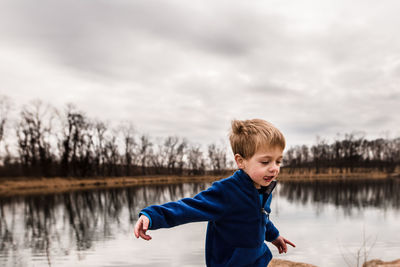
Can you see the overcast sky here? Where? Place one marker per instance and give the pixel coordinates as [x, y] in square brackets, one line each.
[188, 68]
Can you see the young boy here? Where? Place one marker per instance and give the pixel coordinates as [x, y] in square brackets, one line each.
[237, 208]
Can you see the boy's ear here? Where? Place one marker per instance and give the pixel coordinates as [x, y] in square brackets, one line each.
[239, 161]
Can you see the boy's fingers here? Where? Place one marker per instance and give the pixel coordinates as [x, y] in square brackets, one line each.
[284, 247]
[290, 243]
[143, 235]
[136, 230]
[140, 229]
[279, 248]
[137, 227]
[145, 225]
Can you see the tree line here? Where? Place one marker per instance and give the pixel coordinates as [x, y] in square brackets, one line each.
[67, 143]
[352, 153]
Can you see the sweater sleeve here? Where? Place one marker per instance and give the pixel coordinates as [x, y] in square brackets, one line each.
[208, 205]
[271, 232]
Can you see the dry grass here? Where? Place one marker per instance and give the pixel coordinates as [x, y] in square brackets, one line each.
[334, 176]
[284, 263]
[379, 263]
[372, 263]
[24, 186]
[29, 185]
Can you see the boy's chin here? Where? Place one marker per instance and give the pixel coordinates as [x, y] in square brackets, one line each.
[267, 182]
[263, 183]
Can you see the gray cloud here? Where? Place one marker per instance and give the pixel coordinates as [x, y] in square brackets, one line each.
[188, 68]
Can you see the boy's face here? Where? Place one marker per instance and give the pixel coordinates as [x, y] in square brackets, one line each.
[263, 167]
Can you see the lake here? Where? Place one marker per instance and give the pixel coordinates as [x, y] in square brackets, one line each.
[333, 223]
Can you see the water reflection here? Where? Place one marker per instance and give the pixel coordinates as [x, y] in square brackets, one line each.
[76, 220]
[51, 226]
[347, 195]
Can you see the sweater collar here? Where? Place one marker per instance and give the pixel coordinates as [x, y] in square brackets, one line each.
[245, 180]
[249, 184]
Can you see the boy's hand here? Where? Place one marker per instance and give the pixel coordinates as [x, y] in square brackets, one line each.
[281, 242]
[141, 227]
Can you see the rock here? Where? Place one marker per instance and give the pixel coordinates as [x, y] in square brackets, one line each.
[379, 263]
[284, 263]
[371, 263]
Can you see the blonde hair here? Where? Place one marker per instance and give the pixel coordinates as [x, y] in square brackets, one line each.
[247, 136]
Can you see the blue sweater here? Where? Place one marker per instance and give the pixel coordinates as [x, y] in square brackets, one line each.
[238, 223]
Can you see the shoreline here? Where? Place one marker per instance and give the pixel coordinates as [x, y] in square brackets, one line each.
[31, 186]
[370, 263]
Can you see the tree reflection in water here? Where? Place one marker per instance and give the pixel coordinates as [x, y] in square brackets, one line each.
[348, 195]
[56, 225]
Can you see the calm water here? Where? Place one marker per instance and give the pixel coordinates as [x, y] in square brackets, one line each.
[329, 222]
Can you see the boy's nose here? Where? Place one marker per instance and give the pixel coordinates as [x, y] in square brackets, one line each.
[274, 169]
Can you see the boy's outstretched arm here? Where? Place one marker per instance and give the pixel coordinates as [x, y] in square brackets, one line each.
[142, 225]
[208, 205]
[280, 242]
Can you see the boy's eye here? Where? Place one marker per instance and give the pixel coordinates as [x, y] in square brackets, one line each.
[265, 162]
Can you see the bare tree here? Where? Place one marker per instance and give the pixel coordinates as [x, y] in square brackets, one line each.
[180, 155]
[99, 146]
[144, 151]
[34, 134]
[128, 134]
[289, 159]
[158, 157]
[111, 155]
[5, 106]
[75, 143]
[196, 161]
[174, 150]
[217, 157]
[170, 146]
